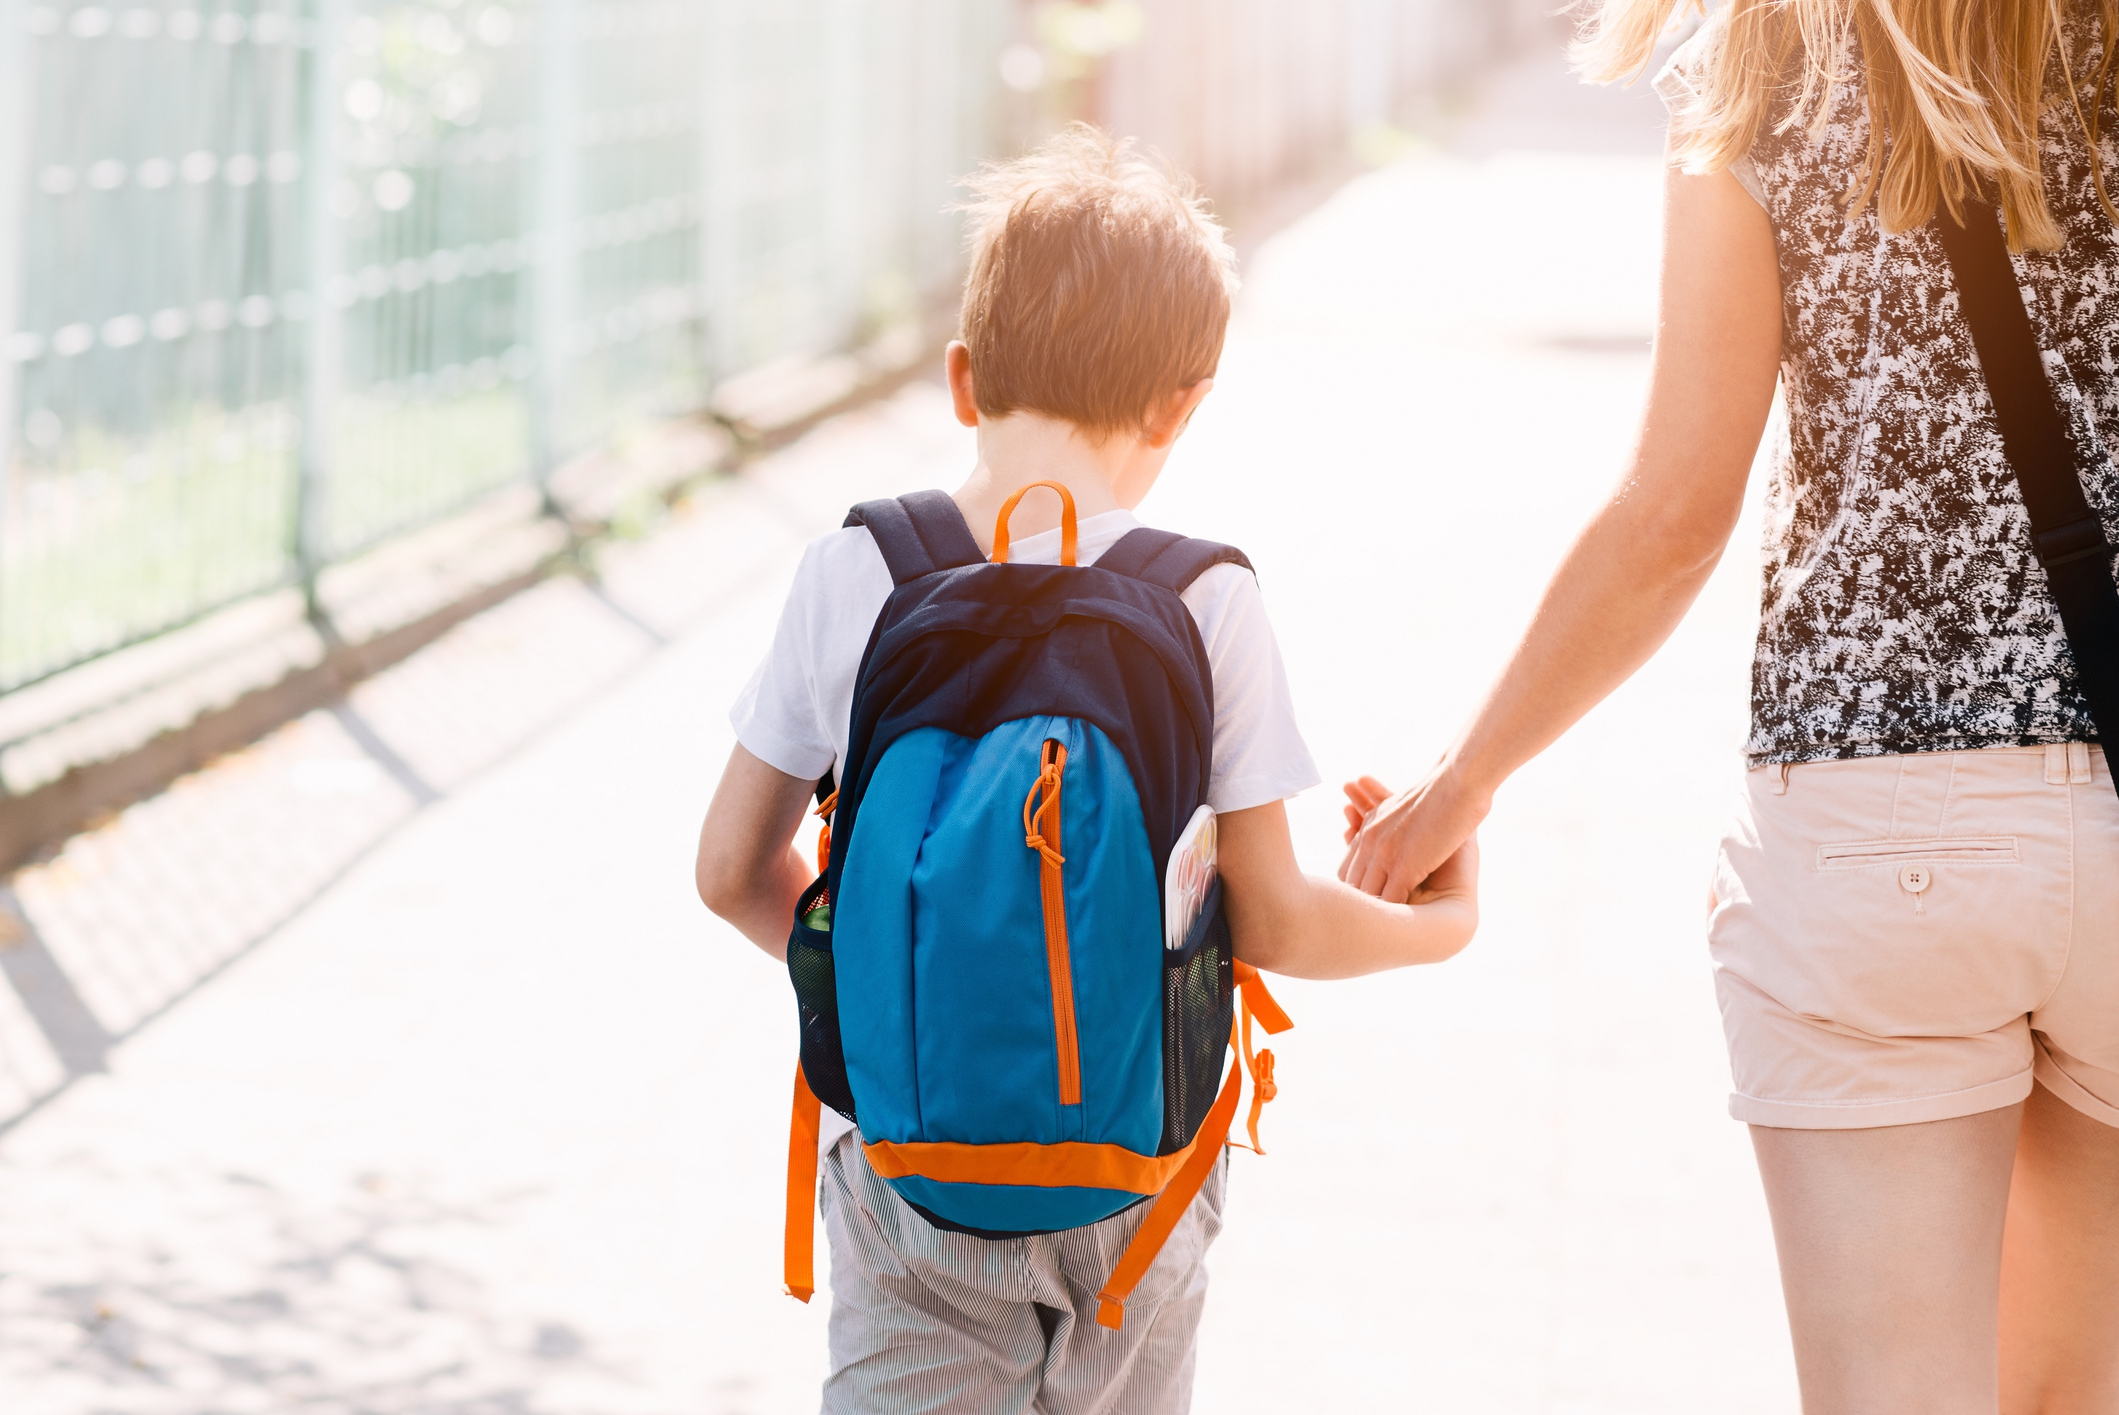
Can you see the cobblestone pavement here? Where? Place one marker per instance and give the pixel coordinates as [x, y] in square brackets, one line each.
[399, 1071]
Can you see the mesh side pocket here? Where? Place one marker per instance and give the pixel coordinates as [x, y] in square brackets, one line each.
[1199, 996]
[810, 967]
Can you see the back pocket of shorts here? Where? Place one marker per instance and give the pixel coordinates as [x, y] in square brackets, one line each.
[1954, 850]
[1941, 936]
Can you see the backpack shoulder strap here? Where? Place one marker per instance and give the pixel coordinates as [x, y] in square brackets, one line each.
[918, 534]
[1168, 559]
[2066, 535]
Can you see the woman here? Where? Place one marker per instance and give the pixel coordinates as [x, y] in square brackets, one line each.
[1915, 919]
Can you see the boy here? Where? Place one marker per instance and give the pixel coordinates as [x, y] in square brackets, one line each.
[1093, 320]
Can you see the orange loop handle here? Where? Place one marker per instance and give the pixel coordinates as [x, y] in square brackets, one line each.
[1068, 538]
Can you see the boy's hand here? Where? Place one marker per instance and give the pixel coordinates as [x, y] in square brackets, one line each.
[1455, 878]
[1362, 797]
[1450, 898]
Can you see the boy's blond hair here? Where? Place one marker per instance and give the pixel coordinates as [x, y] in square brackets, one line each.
[1099, 284]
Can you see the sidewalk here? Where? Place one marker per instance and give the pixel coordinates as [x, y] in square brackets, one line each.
[407, 1074]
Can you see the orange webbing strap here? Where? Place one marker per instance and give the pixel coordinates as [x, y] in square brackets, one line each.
[1171, 1204]
[824, 809]
[1262, 1087]
[1067, 523]
[802, 1191]
[1258, 1002]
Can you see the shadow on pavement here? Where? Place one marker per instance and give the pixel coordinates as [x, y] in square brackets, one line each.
[350, 1308]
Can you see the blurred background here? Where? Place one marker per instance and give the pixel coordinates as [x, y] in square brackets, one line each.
[283, 282]
[410, 416]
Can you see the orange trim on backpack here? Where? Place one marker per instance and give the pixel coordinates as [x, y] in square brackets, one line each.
[824, 809]
[1068, 539]
[1201, 1156]
[1069, 1164]
[1041, 832]
[1259, 1003]
[1262, 1087]
[1206, 1146]
[802, 1129]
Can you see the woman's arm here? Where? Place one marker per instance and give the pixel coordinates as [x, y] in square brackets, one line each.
[1641, 561]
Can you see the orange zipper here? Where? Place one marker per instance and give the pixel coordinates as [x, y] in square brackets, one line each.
[1041, 832]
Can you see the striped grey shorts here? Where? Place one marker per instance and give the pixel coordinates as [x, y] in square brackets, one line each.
[925, 1322]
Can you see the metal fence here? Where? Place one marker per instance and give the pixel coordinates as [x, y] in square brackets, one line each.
[282, 278]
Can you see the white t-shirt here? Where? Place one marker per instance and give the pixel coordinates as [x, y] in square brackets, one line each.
[796, 712]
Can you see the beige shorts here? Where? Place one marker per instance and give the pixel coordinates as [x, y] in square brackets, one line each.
[1912, 938]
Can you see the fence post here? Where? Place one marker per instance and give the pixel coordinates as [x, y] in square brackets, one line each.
[937, 114]
[322, 345]
[552, 219]
[1371, 47]
[719, 126]
[17, 110]
[845, 265]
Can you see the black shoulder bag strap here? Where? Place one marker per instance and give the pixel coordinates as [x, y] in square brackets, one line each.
[2066, 535]
[1166, 558]
[918, 534]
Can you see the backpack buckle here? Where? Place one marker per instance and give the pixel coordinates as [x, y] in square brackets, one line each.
[2077, 540]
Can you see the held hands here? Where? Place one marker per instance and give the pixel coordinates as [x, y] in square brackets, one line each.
[1415, 846]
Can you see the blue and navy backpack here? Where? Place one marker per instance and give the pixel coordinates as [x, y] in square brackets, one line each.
[982, 978]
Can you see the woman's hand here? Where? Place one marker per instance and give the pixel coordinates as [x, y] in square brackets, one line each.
[1412, 846]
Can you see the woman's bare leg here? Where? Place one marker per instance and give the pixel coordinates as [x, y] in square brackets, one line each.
[1890, 1249]
[2060, 1266]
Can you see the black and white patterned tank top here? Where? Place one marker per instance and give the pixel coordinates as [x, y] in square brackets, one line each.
[1902, 610]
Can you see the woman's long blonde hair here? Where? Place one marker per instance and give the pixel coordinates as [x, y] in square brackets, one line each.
[1954, 84]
